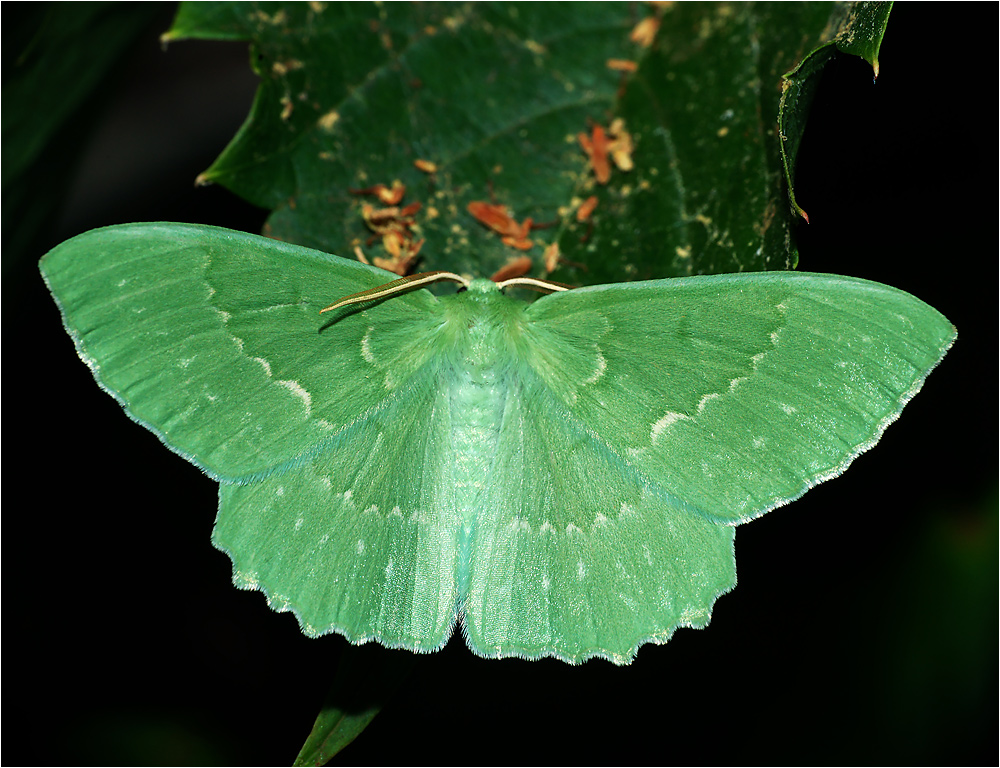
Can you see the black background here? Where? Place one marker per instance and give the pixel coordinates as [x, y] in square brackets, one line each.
[864, 626]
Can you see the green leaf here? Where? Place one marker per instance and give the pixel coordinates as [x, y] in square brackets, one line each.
[495, 96]
[367, 676]
[859, 32]
[862, 31]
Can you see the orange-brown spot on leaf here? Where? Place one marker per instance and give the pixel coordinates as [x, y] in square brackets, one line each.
[393, 225]
[393, 243]
[498, 218]
[644, 33]
[493, 216]
[551, 256]
[378, 219]
[391, 195]
[410, 209]
[596, 147]
[401, 262]
[622, 65]
[516, 267]
[520, 243]
[425, 165]
[621, 145]
[360, 255]
[586, 208]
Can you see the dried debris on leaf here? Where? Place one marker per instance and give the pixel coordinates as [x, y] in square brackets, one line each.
[586, 208]
[644, 33]
[620, 145]
[596, 147]
[516, 267]
[622, 65]
[391, 195]
[498, 218]
[551, 257]
[394, 225]
[615, 143]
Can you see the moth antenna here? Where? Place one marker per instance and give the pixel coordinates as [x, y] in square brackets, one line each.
[537, 284]
[403, 285]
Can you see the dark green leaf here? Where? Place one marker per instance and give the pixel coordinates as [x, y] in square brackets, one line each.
[706, 195]
[859, 29]
[495, 96]
[367, 677]
[862, 31]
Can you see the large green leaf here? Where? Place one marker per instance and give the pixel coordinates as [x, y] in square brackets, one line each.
[495, 95]
[860, 28]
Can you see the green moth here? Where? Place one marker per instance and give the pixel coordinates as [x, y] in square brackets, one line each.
[561, 478]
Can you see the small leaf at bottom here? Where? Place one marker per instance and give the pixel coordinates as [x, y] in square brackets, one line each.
[367, 677]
